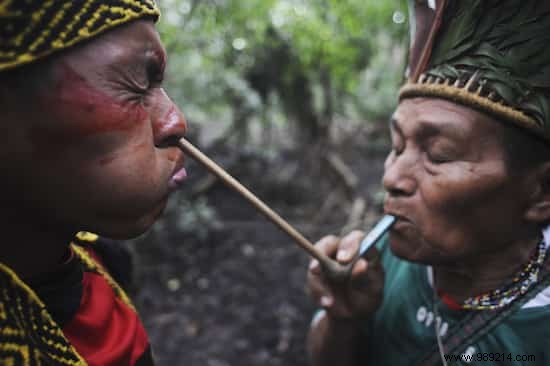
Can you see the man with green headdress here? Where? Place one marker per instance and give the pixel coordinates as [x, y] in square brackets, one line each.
[87, 144]
[463, 277]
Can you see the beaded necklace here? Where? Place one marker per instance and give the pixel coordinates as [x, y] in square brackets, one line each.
[522, 281]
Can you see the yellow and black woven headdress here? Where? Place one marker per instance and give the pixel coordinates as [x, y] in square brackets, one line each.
[33, 29]
[491, 55]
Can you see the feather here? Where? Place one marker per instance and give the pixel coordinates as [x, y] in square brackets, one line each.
[459, 31]
[506, 41]
[427, 44]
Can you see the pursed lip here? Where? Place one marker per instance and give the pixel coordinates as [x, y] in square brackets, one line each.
[401, 219]
[179, 173]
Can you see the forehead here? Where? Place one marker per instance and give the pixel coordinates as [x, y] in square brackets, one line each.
[121, 46]
[438, 116]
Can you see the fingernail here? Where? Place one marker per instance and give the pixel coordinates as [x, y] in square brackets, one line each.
[343, 255]
[313, 265]
[326, 301]
[361, 265]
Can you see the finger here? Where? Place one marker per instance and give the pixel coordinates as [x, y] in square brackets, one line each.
[349, 246]
[359, 269]
[335, 307]
[325, 295]
[318, 291]
[372, 255]
[359, 274]
[374, 276]
[326, 301]
[337, 304]
[328, 245]
[339, 310]
[367, 277]
[314, 267]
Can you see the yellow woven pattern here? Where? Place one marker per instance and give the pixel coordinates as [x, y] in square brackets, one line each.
[92, 266]
[33, 29]
[28, 334]
[87, 236]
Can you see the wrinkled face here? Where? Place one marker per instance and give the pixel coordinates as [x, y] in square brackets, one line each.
[93, 148]
[446, 179]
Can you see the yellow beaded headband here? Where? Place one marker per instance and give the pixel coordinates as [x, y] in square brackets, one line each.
[33, 29]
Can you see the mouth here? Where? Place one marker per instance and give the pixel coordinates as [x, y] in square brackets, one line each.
[402, 222]
[179, 174]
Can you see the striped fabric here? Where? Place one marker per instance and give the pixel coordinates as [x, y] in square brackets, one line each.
[33, 29]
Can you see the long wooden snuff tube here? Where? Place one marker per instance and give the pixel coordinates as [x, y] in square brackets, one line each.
[331, 268]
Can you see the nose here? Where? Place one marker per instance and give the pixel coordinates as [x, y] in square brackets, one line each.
[399, 175]
[169, 124]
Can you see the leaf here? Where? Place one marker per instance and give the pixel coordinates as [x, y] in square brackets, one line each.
[537, 106]
[540, 79]
[446, 71]
[506, 41]
[459, 29]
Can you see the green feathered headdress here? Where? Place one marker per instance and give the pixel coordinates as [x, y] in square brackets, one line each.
[491, 55]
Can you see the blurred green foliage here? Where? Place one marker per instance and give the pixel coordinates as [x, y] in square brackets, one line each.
[279, 61]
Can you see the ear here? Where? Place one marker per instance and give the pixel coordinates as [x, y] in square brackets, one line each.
[538, 210]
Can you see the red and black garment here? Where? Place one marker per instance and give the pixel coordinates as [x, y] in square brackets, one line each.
[76, 315]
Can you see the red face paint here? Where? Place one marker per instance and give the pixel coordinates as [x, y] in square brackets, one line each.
[76, 110]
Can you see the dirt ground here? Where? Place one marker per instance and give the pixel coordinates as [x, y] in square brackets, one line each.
[218, 284]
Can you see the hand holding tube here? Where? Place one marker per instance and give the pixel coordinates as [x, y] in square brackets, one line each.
[334, 270]
[356, 296]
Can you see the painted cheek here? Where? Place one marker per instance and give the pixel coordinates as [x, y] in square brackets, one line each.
[75, 111]
[135, 150]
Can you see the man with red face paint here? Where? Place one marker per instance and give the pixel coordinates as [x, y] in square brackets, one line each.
[463, 277]
[87, 144]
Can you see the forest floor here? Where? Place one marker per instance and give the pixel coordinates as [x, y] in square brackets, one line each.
[218, 284]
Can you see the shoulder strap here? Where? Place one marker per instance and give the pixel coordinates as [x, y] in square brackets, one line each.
[479, 323]
[94, 266]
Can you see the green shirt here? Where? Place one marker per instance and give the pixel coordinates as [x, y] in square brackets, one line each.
[403, 329]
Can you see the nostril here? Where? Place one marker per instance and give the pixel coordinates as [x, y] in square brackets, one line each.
[405, 187]
[395, 192]
[170, 141]
[399, 183]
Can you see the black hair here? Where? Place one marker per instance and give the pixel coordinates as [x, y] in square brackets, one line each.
[524, 150]
[27, 79]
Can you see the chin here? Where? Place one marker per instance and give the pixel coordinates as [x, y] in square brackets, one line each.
[399, 251]
[411, 252]
[123, 232]
[130, 228]
[419, 253]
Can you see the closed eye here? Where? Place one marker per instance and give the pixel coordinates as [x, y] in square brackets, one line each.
[439, 151]
[155, 72]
